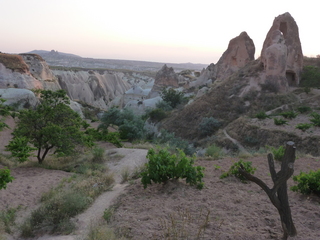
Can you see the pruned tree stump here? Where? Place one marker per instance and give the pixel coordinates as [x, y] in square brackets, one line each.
[278, 194]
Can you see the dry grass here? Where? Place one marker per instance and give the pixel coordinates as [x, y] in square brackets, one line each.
[14, 62]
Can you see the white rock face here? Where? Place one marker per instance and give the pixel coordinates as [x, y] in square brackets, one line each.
[92, 87]
[19, 98]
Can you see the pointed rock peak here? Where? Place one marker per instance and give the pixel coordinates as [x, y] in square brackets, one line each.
[282, 48]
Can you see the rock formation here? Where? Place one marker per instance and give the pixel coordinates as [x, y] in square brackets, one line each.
[27, 71]
[240, 51]
[18, 98]
[281, 54]
[165, 77]
[91, 87]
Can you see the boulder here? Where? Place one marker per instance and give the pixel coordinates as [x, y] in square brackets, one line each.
[19, 98]
[292, 56]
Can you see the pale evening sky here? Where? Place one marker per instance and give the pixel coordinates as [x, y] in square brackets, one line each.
[169, 31]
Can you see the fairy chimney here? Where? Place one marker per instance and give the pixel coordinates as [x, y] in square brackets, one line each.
[281, 54]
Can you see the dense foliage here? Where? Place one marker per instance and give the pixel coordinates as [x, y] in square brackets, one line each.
[209, 125]
[307, 182]
[164, 166]
[171, 96]
[51, 125]
[310, 77]
[234, 170]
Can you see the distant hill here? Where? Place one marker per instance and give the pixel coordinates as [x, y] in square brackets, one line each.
[55, 58]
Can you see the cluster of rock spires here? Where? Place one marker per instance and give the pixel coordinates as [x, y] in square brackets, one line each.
[281, 62]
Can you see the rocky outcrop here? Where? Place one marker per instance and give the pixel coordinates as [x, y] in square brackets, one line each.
[240, 51]
[18, 98]
[281, 54]
[165, 77]
[28, 71]
[206, 77]
[91, 87]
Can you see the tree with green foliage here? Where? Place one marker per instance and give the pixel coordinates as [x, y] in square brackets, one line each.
[131, 126]
[310, 77]
[5, 175]
[172, 96]
[51, 125]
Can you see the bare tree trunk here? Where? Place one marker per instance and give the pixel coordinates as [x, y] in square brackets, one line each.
[278, 194]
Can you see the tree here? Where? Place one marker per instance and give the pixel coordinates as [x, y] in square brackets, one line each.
[171, 96]
[51, 125]
[5, 175]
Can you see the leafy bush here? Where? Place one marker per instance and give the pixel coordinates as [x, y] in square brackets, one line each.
[214, 151]
[171, 96]
[304, 109]
[279, 121]
[289, 114]
[104, 135]
[261, 115]
[98, 155]
[5, 178]
[165, 106]
[310, 77]
[234, 170]
[278, 153]
[157, 114]
[209, 125]
[307, 182]
[303, 126]
[315, 119]
[251, 140]
[164, 166]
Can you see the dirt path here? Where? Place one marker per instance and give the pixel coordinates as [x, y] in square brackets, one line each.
[123, 160]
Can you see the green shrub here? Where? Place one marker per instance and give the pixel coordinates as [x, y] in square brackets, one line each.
[157, 115]
[303, 126]
[307, 182]
[98, 155]
[164, 166]
[171, 96]
[310, 77]
[251, 140]
[165, 106]
[234, 170]
[209, 125]
[261, 115]
[214, 151]
[304, 109]
[315, 119]
[279, 121]
[289, 114]
[5, 178]
[278, 153]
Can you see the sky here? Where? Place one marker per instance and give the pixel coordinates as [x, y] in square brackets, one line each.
[168, 31]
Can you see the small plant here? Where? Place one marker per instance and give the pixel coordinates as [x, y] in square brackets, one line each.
[125, 174]
[157, 115]
[107, 214]
[307, 182]
[289, 114]
[303, 126]
[304, 109]
[278, 153]
[279, 121]
[5, 178]
[8, 218]
[214, 151]
[164, 166]
[98, 155]
[315, 119]
[261, 115]
[234, 170]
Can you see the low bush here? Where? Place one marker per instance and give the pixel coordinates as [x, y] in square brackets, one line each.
[157, 115]
[278, 153]
[164, 166]
[209, 125]
[315, 119]
[307, 182]
[304, 109]
[214, 151]
[279, 121]
[303, 126]
[289, 114]
[234, 170]
[261, 115]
